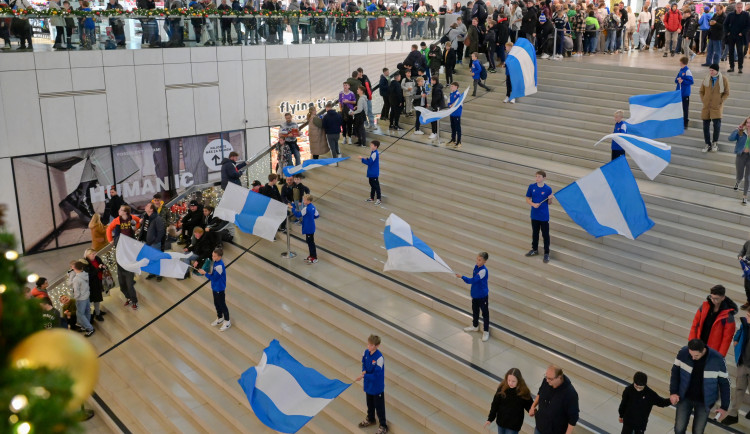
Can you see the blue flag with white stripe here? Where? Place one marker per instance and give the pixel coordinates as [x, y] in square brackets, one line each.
[651, 156]
[521, 67]
[406, 252]
[137, 257]
[656, 116]
[285, 394]
[607, 201]
[427, 116]
[311, 164]
[252, 212]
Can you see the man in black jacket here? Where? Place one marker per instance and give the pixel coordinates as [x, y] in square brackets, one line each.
[437, 102]
[202, 247]
[112, 208]
[715, 36]
[736, 26]
[154, 232]
[383, 89]
[529, 22]
[556, 404]
[231, 171]
[396, 99]
[190, 221]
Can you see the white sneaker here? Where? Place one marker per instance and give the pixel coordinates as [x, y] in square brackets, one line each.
[418, 133]
[715, 147]
[545, 56]
[471, 329]
[433, 136]
[217, 321]
[706, 148]
[350, 140]
[506, 99]
[485, 336]
[225, 326]
[513, 101]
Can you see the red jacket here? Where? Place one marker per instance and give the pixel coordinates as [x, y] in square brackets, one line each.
[673, 21]
[722, 331]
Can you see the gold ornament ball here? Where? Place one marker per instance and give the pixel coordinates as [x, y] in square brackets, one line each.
[61, 349]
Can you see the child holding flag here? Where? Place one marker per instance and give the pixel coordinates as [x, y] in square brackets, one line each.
[479, 296]
[508, 85]
[373, 372]
[218, 278]
[539, 196]
[308, 214]
[684, 81]
[455, 116]
[373, 171]
[620, 127]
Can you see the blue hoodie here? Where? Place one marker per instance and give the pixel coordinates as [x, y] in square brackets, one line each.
[454, 96]
[478, 281]
[740, 338]
[218, 276]
[476, 69]
[704, 20]
[373, 365]
[308, 214]
[687, 81]
[620, 127]
[373, 164]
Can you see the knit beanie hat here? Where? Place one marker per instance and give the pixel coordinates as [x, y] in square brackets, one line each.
[714, 66]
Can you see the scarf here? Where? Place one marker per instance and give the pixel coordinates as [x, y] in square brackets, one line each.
[719, 80]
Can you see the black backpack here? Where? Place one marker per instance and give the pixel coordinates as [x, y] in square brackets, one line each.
[479, 11]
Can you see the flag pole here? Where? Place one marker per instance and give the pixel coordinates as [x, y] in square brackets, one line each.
[289, 254]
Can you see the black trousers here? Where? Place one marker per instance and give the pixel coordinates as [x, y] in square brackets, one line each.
[386, 109]
[395, 115]
[359, 128]
[310, 238]
[482, 304]
[348, 126]
[220, 304]
[707, 130]
[433, 125]
[456, 129]
[508, 86]
[736, 42]
[685, 107]
[374, 188]
[536, 225]
[617, 152]
[628, 429]
[460, 51]
[376, 404]
[747, 290]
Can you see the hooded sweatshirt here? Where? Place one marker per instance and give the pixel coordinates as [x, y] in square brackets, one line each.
[80, 284]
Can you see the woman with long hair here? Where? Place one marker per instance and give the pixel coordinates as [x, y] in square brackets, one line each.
[511, 399]
[316, 134]
[95, 268]
[98, 233]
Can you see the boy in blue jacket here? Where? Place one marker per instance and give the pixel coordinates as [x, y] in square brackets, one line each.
[479, 296]
[620, 127]
[455, 116]
[476, 73]
[373, 372]
[308, 214]
[373, 171]
[218, 278]
[684, 81]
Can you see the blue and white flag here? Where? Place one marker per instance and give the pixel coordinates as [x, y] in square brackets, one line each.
[521, 64]
[311, 164]
[656, 116]
[651, 156]
[137, 257]
[285, 394]
[406, 252]
[427, 116]
[252, 212]
[607, 201]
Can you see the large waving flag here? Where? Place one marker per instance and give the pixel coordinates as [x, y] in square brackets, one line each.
[656, 116]
[650, 156]
[252, 212]
[311, 164]
[406, 252]
[607, 201]
[283, 393]
[521, 64]
[427, 116]
[136, 257]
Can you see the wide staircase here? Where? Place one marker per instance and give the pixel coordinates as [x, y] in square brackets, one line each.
[601, 309]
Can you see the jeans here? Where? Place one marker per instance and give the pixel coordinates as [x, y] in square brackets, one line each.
[333, 144]
[592, 43]
[482, 304]
[310, 238]
[238, 30]
[684, 409]
[295, 33]
[331, 29]
[743, 376]
[220, 304]
[536, 225]
[295, 152]
[83, 308]
[456, 129]
[742, 164]
[714, 51]
[707, 130]
[374, 188]
[670, 42]
[501, 430]
[611, 40]
[738, 43]
[376, 403]
[420, 28]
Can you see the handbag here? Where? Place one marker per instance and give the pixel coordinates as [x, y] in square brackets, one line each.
[467, 42]
[108, 282]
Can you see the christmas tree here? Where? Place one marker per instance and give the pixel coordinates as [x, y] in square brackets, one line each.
[39, 391]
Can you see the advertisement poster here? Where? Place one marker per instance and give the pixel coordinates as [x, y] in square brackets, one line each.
[197, 160]
[142, 170]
